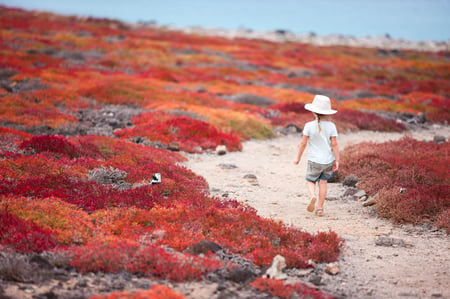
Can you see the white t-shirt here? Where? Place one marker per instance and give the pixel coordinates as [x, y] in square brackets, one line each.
[319, 144]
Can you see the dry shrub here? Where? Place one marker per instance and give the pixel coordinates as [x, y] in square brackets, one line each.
[15, 266]
[58, 258]
[443, 220]
[28, 268]
[104, 175]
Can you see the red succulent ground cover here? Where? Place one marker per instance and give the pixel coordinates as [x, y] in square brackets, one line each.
[192, 135]
[199, 92]
[48, 203]
[409, 176]
[156, 292]
[23, 235]
[282, 290]
[150, 260]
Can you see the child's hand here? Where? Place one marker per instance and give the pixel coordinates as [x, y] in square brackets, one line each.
[296, 161]
[336, 166]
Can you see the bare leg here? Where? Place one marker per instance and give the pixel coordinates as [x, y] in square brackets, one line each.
[322, 193]
[311, 188]
[312, 193]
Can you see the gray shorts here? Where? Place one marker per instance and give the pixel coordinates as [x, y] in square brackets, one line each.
[316, 171]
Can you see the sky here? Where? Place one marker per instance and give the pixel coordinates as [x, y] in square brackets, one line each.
[401, 19]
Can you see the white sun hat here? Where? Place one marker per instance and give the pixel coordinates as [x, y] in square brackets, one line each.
[320, 105]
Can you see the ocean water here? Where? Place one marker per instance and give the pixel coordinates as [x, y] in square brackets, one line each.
[416, 20]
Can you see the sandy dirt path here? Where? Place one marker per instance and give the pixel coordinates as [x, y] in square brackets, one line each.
[416, 265]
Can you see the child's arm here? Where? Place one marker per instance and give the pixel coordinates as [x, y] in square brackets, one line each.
[335, 148]
[301, 148]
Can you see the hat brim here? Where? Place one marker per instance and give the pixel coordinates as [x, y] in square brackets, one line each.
[312, 108]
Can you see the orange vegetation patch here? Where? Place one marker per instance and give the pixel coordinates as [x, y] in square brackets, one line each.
[70, 224]
[156, 292]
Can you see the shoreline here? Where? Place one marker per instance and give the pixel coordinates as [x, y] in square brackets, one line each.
[281, 36]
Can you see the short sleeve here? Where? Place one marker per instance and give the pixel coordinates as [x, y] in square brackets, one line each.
[307, 129]
[333, 131]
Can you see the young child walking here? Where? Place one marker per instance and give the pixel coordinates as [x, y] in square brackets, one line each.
[323, 152]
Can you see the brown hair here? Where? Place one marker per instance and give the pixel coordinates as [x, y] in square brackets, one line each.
[318, 121]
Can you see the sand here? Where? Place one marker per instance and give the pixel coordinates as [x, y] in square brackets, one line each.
[416, 267]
